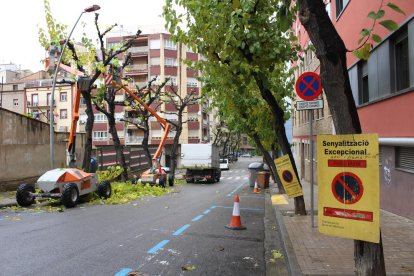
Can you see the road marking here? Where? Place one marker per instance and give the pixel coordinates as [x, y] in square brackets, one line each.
[230, 194]
[182, 229]
[158, 247]
[230, 177]
[123, 272]
[197, 218]
[278, 200]
[237, 178]
[206, 212]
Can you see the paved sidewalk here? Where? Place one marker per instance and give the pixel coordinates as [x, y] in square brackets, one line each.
[311, 253]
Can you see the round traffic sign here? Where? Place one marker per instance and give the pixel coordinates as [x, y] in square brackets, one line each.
[347, 188]
[308, 86]
[287, 176]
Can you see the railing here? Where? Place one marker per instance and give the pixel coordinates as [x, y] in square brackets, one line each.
[134, 139]
[136, 68]
[136, 51]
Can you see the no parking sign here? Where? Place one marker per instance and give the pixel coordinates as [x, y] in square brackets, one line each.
[348, 180]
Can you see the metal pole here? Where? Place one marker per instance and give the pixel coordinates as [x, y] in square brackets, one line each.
[311, 164]
[1, 100]
[51, 117]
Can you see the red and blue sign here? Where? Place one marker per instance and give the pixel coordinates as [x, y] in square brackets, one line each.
[347, 188]
[308, 86]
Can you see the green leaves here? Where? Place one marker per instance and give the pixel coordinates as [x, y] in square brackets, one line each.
[389, 24]
[377, 15]
[395, 8]
[363, 52]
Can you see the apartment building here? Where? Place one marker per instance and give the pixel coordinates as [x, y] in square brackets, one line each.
[383, 90]
[154, 55]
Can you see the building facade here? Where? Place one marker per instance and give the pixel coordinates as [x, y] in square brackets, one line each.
[383, 90]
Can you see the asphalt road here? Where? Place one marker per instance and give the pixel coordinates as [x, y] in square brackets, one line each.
[160, 236]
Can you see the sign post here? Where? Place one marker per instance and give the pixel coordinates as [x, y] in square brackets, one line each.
[348, 177]
[308, 87]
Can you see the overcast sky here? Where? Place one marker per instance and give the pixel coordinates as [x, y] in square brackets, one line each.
[20, 21]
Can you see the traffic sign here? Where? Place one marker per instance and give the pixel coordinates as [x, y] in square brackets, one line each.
[348, 181]
[308, 86]
[288, 177]
[347, 188]
[315, 104]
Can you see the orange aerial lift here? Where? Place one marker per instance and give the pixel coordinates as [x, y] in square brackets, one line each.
[154, 175]
[66, 184]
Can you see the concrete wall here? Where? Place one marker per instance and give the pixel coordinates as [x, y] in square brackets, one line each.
[25, 150]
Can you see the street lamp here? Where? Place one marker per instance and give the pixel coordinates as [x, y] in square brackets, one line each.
[51, 117]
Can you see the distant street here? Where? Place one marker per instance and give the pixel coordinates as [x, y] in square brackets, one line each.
[157, 235]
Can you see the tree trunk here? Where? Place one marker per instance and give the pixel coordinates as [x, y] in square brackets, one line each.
[88, 129]
[269, 162]
[174, 154]
[331, 52]
[118, 147]
[280, 131]
[145, 141]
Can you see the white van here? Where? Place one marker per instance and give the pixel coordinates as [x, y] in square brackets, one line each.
[224, 164]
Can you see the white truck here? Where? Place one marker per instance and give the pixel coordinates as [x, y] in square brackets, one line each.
[201, 161]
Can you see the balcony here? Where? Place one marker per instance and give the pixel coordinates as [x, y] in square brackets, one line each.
[136, 69]
[138, 51]
[38, 83]
[134, 140]
[39, 104]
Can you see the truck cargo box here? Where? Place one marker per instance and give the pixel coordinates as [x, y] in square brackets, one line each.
[199, 156]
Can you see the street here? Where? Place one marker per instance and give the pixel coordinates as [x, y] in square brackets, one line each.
[166, 235]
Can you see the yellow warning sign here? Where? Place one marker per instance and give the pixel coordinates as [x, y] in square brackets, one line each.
[288, 177]
[348, 181]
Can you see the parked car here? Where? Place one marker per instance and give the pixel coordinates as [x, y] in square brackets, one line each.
[224, 164]
[246, 155]
[232, 157]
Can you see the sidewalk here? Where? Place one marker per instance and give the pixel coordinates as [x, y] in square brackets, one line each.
[311, 253]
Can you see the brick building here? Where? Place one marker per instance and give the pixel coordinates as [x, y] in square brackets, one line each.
[383, 89]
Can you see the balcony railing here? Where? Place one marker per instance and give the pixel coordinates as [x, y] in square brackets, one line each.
[138, 51]
[134, 139]
[136, 68]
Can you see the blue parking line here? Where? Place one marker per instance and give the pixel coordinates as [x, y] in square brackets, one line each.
[230, 194]
[197, 218]
[123, 272]
[182, 229]
[158, 247]
[207, 211]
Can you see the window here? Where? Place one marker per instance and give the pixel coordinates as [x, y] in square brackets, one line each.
[82, 101]
[340, 6]
[155, 44]
[15, 87]
[170, 45]
[100, 117]
[15, 102]
[172, 80]
[155, 61]
[100, 135]
[402, 73]
[63, 113]
[63, 96]
[170, 62]
[363, 83]
[192, 82]
[35, 99]
[405, 158]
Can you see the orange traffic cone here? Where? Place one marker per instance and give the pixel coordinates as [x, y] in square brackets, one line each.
[256, 188]
[235, 223]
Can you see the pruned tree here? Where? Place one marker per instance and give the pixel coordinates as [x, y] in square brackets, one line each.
[139, 116]
[93, 62]
[179, 103]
